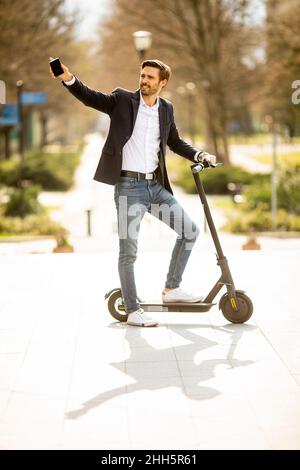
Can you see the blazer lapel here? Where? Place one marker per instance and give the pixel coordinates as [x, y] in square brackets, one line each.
[135, 101]
[162, 121]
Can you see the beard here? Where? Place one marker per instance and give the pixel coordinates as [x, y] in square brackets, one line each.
[148, 91]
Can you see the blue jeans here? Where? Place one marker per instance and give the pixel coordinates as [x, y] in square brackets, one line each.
[133, 198]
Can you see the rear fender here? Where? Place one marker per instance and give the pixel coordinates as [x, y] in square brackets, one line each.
[108, 294]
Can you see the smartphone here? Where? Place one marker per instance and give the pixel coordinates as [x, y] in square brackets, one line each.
[56, 67]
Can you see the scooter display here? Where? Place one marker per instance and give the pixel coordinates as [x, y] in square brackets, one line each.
[235, 305]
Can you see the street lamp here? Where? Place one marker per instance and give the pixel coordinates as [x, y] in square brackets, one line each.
[19, 85]
[142, 41]
[273, 128]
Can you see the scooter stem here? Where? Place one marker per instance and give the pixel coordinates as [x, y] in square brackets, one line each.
[197, 169]
[226, 277]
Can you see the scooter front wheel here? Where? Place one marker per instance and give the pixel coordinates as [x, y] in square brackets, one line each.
[240, 315]
[116, 306]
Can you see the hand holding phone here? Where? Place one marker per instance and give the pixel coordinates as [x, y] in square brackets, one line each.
[57, 69]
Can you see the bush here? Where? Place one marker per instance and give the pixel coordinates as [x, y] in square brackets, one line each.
[288, 194]
[258, 195]
[261, 221]
[52, 171]
[30, 225]
[288, 189]
[23, 201]
[215, 181]
[9, 172]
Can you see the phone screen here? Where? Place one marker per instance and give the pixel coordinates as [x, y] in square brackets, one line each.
[56, 67]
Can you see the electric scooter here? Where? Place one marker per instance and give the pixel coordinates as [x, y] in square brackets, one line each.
[235, 305]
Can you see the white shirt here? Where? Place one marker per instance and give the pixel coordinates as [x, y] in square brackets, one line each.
[140, 153]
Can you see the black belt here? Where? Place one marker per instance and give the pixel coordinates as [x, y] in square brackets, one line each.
[139, 176]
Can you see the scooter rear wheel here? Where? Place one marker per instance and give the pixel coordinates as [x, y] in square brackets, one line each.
[236, 316]
[116, 306]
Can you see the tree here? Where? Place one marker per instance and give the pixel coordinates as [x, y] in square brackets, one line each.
[204, 39]
[31, 32]
[282, 64]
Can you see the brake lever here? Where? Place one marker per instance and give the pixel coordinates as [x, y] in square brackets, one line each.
[215, 165]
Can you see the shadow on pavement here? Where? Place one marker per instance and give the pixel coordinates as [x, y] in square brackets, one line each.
[203, 371]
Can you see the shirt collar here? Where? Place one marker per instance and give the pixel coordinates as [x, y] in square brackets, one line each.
[142, 102]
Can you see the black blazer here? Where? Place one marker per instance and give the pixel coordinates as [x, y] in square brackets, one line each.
[122, 106]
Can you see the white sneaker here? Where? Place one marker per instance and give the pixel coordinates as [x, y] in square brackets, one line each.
[139, 318]
[178, 295]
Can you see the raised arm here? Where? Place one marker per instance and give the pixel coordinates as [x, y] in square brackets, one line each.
[104, 102]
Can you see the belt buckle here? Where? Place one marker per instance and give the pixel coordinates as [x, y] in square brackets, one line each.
[149, 176]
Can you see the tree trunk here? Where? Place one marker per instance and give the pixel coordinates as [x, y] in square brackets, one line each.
[44, 121]
[7, 143]
[224, 152]
[216, 128]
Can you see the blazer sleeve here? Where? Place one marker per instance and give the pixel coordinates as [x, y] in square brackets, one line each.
[178, 145]
[104, 102]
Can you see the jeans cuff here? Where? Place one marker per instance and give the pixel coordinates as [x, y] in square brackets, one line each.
[131, 310]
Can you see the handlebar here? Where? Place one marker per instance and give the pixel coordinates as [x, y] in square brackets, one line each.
[197, 167]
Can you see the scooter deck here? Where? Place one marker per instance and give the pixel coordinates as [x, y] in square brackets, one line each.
[176, 307]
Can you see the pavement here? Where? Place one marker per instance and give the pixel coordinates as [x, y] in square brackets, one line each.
[71, 377]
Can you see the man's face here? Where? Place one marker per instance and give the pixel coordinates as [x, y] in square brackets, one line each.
[150, 83]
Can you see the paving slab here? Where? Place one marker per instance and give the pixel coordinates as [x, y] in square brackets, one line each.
[72, 377]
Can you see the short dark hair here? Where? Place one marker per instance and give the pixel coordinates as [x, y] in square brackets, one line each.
[164, 69]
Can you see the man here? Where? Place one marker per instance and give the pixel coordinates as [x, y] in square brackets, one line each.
[133, 160]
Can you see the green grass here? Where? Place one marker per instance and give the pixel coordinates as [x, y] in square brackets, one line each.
[243, 139]
[284, 159]
[224, 202]
[30, 225]
[9, 238]
[255, 139]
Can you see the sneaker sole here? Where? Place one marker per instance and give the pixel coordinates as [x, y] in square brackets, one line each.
[142, 324]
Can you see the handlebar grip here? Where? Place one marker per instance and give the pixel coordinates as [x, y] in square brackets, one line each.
[196, 168]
